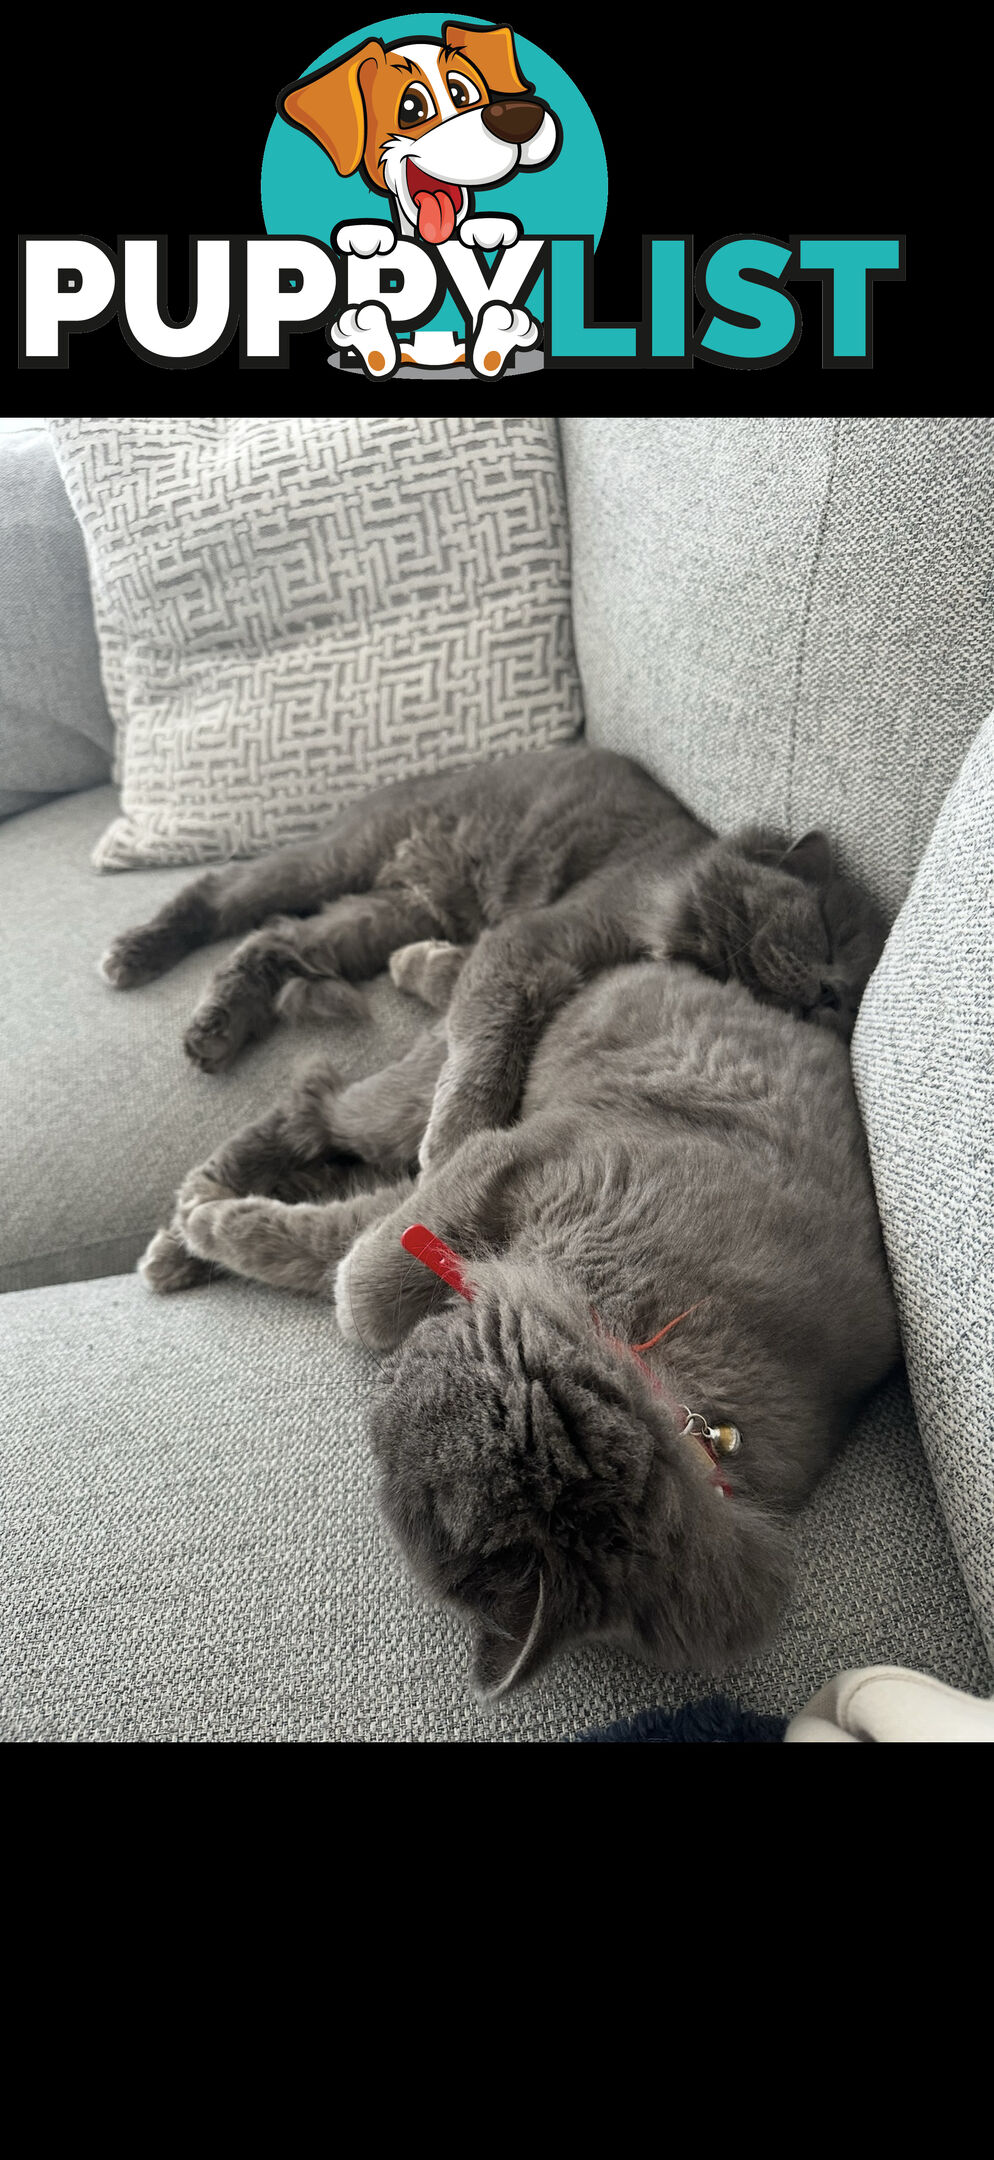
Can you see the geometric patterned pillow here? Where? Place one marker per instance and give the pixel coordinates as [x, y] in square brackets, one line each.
[290, 611]
[923, 1061]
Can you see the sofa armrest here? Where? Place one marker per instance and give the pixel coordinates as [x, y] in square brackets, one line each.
[923, 1070]
[56, 733]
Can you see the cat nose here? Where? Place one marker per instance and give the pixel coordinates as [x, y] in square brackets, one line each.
[513, 123]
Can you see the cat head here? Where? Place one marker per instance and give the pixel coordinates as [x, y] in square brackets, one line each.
[782, 920]
[538, 1480]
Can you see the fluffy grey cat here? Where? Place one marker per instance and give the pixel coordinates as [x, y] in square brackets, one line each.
[637, 1132]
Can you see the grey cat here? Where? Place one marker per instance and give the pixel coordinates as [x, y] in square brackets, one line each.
[637, 1130]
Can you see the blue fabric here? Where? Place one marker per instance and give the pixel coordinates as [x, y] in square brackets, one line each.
[717, 1719]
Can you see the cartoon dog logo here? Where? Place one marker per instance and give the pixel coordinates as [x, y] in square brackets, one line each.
[429, 121]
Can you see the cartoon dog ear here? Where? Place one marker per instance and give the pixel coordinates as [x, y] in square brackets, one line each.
[492, 51]
[330, 106]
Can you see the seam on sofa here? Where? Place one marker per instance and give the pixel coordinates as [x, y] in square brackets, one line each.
[128, 1241]
[802, 636]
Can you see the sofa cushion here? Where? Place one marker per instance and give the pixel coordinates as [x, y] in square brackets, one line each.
[923, 1057]
[190, 1547]
[789, 619]
[291, 610]
[101, 1113]
[55, 730]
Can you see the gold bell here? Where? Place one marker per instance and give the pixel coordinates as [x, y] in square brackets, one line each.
[726, 1438]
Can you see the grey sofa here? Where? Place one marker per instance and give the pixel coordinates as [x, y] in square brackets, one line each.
[789, 620]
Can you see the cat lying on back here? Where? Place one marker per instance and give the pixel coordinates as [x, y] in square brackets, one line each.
[637, 1106]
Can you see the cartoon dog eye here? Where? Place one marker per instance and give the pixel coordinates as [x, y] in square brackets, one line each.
[416, 105]
[462, 93]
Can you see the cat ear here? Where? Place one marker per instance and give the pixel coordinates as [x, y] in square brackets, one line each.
[810, 858]
[503, 1656]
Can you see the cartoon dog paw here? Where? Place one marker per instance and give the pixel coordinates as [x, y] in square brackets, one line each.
[500, 331]
[367, 330]
[364, 240]
[489, 232]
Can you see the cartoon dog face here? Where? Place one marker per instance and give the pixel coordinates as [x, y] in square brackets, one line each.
[460, 103]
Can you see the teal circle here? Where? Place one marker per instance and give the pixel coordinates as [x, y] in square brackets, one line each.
[302, 192]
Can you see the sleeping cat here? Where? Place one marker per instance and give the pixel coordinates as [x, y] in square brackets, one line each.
[638, 1133]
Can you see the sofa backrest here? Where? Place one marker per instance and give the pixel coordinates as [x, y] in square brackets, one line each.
[789, 620]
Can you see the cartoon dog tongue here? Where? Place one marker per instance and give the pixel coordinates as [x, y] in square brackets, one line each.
[436, 212]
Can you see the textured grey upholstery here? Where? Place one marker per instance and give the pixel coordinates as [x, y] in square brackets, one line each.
[789, 619]
[55, 730]
[923, 1056]
[190, 1547]
[101, 1112]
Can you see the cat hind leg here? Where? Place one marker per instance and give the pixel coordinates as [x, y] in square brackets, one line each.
[348, 942]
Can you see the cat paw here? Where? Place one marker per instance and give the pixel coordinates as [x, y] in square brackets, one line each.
[167, 1264]
[218, 1229]
[199, 1187]
[320, 1076]
[259, 1239]
[427, 970]
[215, 1036]
[131, 959]
[366, 1310]
[380, 1292]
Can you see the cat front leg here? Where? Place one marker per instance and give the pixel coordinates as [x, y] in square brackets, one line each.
[290, 1246]
[376, 1124]
[325, 1140]
[513, 982]
[516, 978]
[381, 1290]
[283, 1153]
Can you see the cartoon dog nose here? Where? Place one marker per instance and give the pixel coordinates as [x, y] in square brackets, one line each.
[516, 122]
